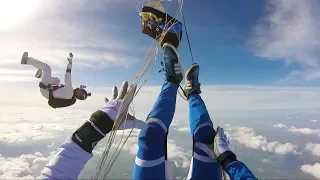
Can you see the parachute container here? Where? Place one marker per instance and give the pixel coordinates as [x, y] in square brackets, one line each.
[154, 23]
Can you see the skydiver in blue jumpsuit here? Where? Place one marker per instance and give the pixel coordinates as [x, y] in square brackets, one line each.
[211, 150]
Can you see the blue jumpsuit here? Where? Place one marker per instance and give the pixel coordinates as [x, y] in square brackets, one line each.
[151, 158]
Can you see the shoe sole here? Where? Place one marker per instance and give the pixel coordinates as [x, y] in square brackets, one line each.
[186, 74]
[38, 73]
[24, 58]
[177, 53]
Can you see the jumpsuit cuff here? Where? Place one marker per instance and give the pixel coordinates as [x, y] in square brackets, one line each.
[92, 131]
[226, 158]
[69, 67]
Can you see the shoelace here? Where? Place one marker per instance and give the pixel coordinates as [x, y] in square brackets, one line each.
[168, 71]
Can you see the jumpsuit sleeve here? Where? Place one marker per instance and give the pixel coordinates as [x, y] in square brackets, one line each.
[239, 171]
[67, 163]
[68, 83]
[67, 79]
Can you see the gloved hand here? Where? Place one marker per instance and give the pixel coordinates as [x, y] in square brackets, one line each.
[221, 143]
[102, 121]
[112, 107]
[70, 58]
[220, 149]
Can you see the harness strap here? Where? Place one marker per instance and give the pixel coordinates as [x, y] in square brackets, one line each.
[50, 87]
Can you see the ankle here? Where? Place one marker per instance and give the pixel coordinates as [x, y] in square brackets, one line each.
[174, 80]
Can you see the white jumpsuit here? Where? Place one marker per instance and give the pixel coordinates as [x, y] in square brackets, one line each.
[65, 92]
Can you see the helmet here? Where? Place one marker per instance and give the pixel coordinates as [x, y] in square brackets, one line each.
[81, 94]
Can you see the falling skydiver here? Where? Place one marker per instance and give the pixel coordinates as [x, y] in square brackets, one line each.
[58, 95]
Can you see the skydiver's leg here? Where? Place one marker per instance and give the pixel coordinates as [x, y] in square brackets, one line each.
[46, 72]
[202, 166]
[151, 157]
[46, 69]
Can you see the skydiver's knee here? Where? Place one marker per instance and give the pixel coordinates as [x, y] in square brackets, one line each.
[46, 68]
[55, 80]
[204, 135]
[152, 136]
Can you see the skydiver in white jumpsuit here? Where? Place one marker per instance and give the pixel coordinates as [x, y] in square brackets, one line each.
[58, 95]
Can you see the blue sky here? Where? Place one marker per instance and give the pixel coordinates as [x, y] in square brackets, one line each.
[229, 40]
[246, 51]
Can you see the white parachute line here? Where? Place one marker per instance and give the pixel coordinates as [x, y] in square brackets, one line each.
[117, 124]
[145, 65]
[119, 147]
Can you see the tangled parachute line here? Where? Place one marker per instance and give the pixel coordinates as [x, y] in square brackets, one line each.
[146, 68]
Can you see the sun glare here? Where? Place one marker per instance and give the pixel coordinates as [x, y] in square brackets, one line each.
[13, 12]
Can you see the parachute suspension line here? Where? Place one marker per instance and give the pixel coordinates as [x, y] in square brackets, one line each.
[116, 126]
[147, 62]
[185, 27]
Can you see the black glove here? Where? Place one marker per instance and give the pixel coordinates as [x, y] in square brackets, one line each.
[101, 121]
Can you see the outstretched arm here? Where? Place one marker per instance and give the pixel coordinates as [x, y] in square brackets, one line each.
[67, 80]
[67, 163]
[76, 151]
[228, 160]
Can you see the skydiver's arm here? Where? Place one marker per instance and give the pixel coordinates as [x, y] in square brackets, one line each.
[234, 168]
[67, 79]
[67, 163]
[75, 152]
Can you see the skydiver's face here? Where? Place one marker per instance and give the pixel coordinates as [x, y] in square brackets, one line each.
[78, 93]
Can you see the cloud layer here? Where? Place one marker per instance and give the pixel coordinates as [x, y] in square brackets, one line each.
[313, 148]
[289, 32]
[216, 97]
[311, 169]
[246, 136]
[26, 166]
[306, 131]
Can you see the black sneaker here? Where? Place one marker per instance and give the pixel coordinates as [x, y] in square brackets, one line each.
[24, 58]
[192, 85]
[171, 64]
[38, 73]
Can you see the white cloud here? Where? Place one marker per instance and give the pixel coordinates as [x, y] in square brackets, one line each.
[10, 79]
[311, 169]
[36, 127]
[313, 120]
[26, 166]
[179, 156]
[247, 137]
[268, 161]
[306, 131]
[11, 75]
[16, 134]
[182, 129]
[280, 126]
[314, 148]
[289, 32]
[280, 148]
